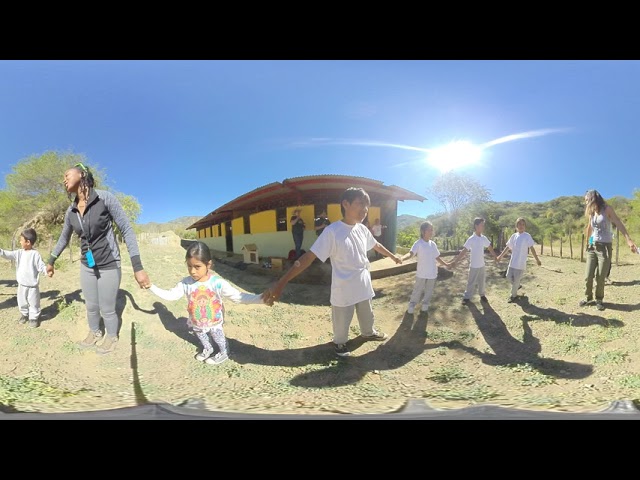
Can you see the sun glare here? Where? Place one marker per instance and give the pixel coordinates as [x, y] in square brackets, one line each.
[454, 155]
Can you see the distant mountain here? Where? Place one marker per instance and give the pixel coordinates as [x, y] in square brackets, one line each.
[178, 225]
[408, 220]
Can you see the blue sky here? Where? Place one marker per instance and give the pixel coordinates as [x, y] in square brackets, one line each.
[185, 137]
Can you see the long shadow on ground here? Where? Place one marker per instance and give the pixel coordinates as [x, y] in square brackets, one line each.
[574, 319]
[508, 350]
[406, 344]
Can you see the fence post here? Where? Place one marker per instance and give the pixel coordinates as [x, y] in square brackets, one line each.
[551, 244]
[570, 247]
[561, 247]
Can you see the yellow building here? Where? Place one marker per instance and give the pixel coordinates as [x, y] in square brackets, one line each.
[261, 217]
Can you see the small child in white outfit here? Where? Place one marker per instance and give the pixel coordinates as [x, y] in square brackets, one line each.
[519, 243]
[476, 244]
[427, 269]
[29, 265]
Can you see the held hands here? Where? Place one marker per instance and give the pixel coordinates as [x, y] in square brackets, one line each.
[271, 295]
[397, 259]
[143, 279]
[50, 271]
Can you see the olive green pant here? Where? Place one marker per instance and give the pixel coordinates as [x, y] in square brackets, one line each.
[598, 263]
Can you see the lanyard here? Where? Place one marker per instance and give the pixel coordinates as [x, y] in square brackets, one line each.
[88, 237]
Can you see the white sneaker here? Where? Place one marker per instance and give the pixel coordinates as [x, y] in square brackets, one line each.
[206, 353]
[411, 309]
[217, 359]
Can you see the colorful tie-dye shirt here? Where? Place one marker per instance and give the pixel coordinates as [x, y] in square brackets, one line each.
[205, 299]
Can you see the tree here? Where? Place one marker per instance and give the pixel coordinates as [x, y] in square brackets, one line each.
[35, 193]
[455, 191]
[131, 208]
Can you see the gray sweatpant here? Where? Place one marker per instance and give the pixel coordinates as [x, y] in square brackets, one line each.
[476, 277]
[422, 286]
[514, 275]
[341, 318]
[100, 291]
[29, 301]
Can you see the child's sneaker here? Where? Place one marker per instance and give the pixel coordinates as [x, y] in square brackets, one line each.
[465, 301]
[23, 319]
[206, 353]
[217, 359]
[512, 299]
[376, 337]
[483, 299]
[341, 350]
[411, 308]
[34, 323]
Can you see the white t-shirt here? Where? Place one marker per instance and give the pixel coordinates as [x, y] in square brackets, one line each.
[427, 252]
[347, 247]
[519, 243]
[377, 230]
[476, 245]
[29, 264]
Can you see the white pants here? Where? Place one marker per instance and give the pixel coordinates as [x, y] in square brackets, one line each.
[341, 318]
[476, 277]
[423, 286]
[29, 301]
[514, 275]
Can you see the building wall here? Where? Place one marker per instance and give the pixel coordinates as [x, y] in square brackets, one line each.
[237, 227]
[263, 222]
[272, 243]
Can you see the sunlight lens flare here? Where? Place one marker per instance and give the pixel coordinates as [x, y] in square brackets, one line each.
[454, 155]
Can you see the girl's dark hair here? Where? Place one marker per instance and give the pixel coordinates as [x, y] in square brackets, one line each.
[477, 221]
[424, 227]
[86, 179]
[199, 251]
[30, 235]
[594, 203]
[351, 193]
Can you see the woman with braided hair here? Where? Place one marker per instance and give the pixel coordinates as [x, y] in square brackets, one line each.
[91, 216]
[600, 216]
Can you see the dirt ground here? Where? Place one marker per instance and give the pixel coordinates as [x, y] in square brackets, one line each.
[543, 353]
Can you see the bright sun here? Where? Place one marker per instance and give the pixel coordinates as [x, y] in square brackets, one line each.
[454, 155]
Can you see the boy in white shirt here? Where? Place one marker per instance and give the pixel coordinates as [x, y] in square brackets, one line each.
[519, 243]
[427, 269]
[346, 243]
[476, 244]
[29, 264]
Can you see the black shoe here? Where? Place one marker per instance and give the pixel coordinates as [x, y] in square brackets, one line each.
[599, 305]
[34, 323]
[586, 302]
[23, 319]
[483, 299]
[341, 350]
[465, 301]
[512, 299]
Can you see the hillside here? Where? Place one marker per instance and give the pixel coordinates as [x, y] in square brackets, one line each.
[408, 220]
[177, 225]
